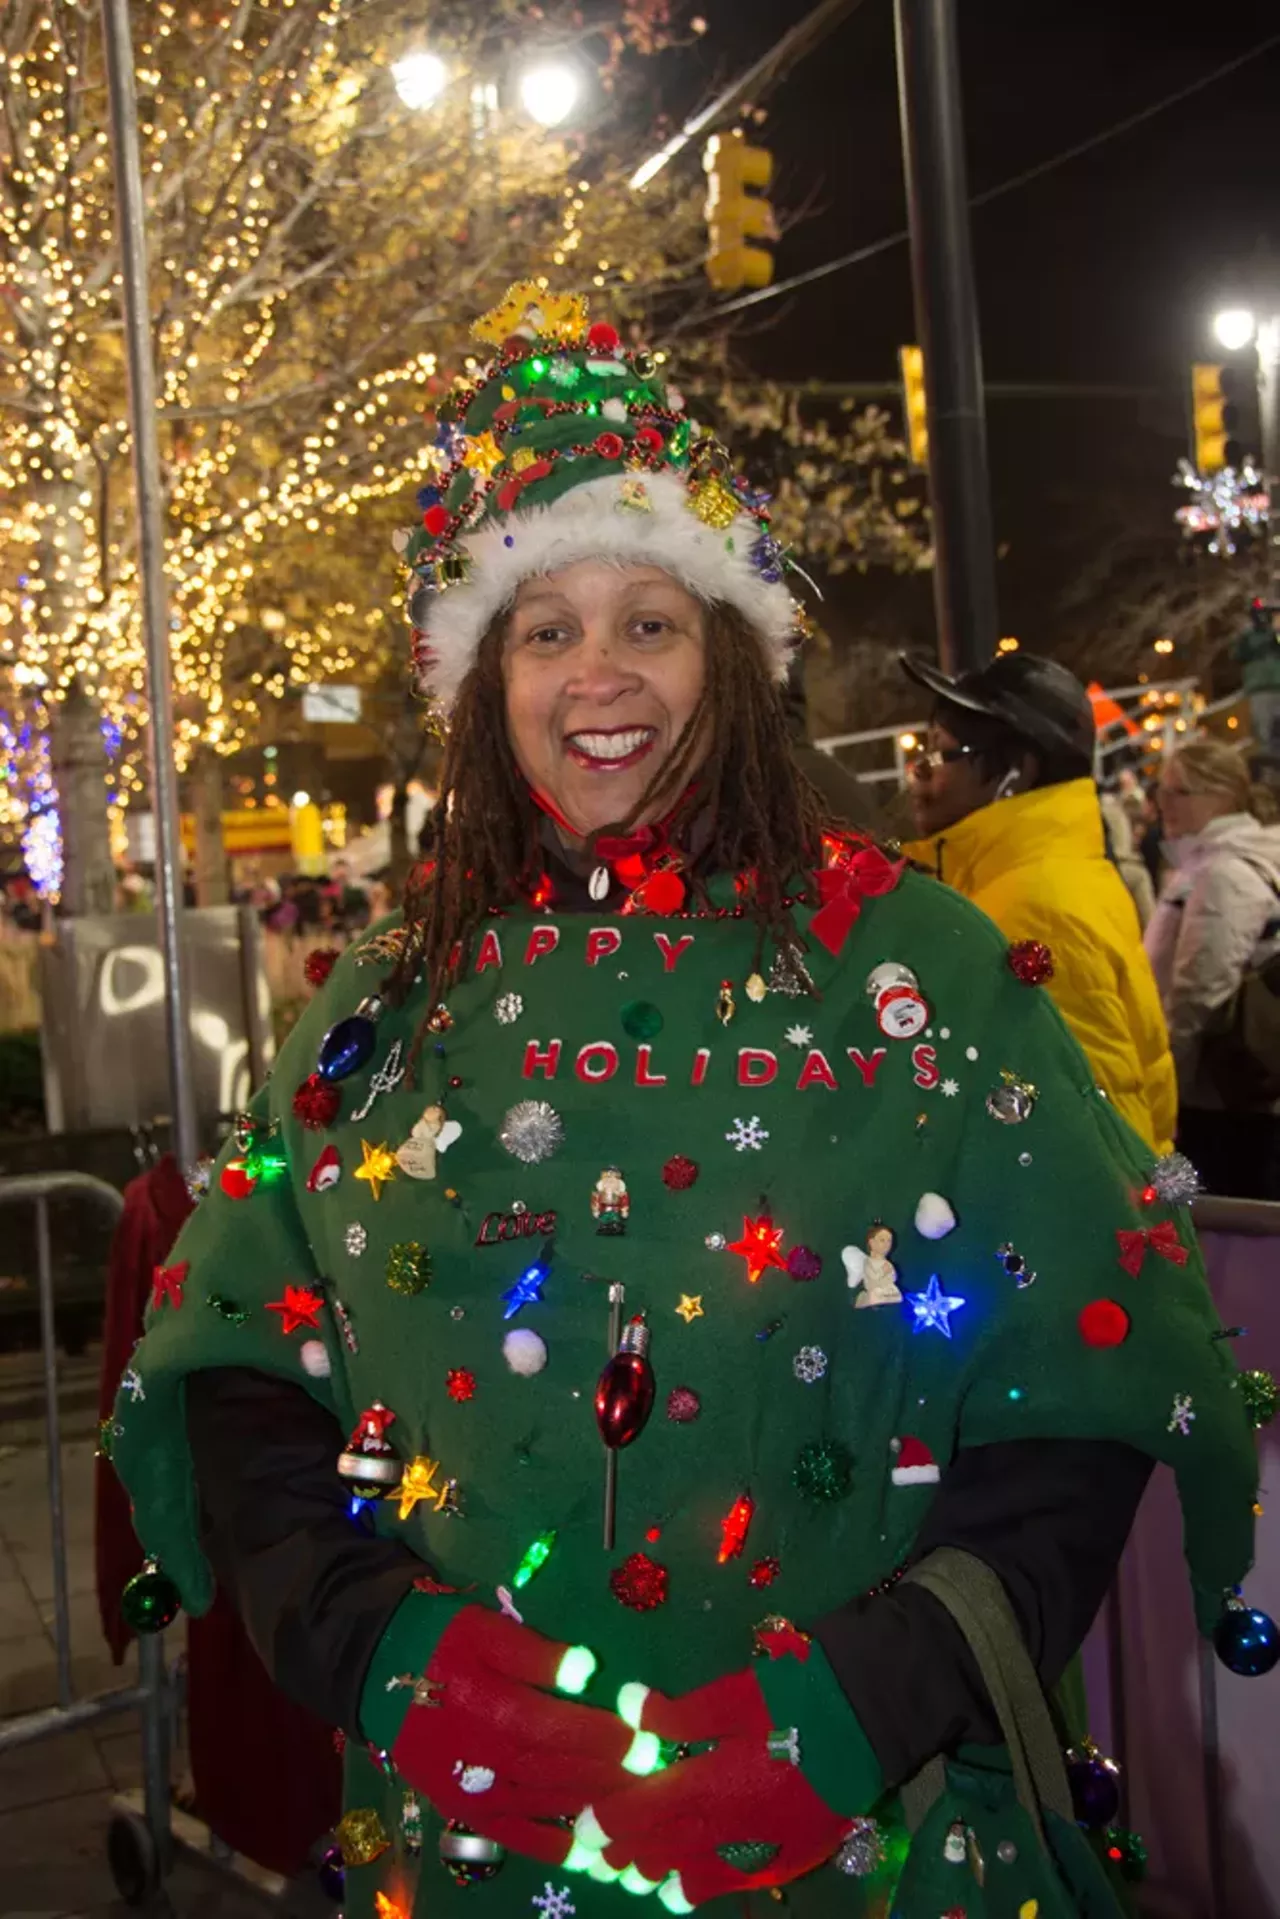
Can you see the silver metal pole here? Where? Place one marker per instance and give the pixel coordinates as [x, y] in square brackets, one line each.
[154, 1677]
[1269, 412]
[53, 1443]
[131, 213]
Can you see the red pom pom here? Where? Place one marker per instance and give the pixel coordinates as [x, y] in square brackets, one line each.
[609, 446]
[639, 1582]
[236, 1180]
[661, 893]
[460, 1384]
[764, 1572]
[1031, 962]
[436, 519]
[319, 963]
[1103, 1323]
[683, 1405]
[649, 440]
[603, 336]
[316, 1103]
[804, 1263]
[679, 1173]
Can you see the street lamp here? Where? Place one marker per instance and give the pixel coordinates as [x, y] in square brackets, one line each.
[550, 91]
[420, 79]
[1234, 327]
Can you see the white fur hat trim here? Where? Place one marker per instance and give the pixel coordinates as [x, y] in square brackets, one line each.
[589, 523]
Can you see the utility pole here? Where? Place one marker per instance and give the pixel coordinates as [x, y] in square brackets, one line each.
[964, 580]
[1269, 414]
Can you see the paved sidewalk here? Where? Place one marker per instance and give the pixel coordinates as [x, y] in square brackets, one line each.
[56, 1796]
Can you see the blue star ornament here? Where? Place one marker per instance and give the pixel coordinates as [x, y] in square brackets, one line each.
[934, 1308]
[527, 1291]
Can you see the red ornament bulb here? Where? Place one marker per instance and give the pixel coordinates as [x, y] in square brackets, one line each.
[625, 1390]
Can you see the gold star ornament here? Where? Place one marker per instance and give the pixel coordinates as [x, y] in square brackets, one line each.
[379, 1166]
[482, 454]
[419, 1483]
[534, 312]
[690, 1307]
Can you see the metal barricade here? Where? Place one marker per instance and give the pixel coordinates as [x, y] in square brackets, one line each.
[140, 1849]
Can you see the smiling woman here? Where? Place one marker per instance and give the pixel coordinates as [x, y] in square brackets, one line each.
[606, 1134]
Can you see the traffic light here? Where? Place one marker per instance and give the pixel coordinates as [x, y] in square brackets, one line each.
[1213, 419]
[914, 410]
[738, 213]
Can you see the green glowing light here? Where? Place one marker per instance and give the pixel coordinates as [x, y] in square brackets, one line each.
[535, 1559]
[575, 1669]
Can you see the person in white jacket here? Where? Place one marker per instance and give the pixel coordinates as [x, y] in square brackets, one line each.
[1218, 915]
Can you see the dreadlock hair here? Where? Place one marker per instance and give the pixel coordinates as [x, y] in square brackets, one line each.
[730, 768]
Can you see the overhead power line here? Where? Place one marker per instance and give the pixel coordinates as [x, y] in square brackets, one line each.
[874, 247]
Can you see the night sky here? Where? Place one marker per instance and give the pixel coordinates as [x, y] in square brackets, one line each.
[1105, 271]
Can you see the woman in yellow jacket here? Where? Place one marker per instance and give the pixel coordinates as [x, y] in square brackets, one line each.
[1004, 800]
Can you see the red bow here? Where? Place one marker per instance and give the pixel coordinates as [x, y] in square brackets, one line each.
[866, 875]
[1162, 1239]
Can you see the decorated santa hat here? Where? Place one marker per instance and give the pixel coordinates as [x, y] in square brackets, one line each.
[916, 1464]
[569, 445]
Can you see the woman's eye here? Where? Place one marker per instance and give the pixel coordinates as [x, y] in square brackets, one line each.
[545, 636]
[650, 628]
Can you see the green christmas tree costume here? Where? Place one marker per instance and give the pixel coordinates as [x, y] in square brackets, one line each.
[826, 1206]
[821, 1133]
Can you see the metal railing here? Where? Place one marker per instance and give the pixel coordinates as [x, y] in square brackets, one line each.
[152, 1697]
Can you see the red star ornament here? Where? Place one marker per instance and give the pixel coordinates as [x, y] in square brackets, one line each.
[759, 1246]
[167, 1282]
[778, 1638]
[299, 1307]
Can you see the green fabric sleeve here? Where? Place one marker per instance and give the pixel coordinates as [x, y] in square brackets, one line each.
[416, 1629]
[835, 1754]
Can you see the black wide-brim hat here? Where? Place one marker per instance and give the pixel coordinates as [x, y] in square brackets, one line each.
[1036, 698]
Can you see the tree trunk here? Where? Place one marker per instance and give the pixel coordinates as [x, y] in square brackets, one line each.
[205, 782]
[401, 859]
[79, 764]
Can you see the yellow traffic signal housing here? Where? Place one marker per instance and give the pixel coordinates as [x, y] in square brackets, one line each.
[1212, 418]
[738, 213]
[915, 411]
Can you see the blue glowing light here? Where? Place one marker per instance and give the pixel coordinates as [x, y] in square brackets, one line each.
[934, 1308]
[527, 1290]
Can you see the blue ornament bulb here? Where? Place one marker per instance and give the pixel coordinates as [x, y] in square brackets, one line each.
[1247, 1641]
[348, 1045]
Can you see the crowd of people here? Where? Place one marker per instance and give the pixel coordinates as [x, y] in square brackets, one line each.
[1161, 908]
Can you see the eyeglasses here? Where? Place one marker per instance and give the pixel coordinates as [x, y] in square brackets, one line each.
[930, 758]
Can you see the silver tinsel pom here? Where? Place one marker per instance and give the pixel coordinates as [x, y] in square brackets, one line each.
[197, 1180]
[1176, 1179]
[809, 1364]
[532, 1130]
[863, 1851]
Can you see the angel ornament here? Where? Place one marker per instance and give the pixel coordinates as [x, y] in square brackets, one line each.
[873, 1271]
[434, 1133]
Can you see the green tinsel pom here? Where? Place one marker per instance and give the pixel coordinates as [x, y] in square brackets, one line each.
[823, 1471]
[1260, 1395]
[408, 1267]
[1127, 1852]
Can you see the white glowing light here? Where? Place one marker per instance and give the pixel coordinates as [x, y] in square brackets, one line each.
[1234, 328]
[301, 799]
[420, 79]
[549, 92]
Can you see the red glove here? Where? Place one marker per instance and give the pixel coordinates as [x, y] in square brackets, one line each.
[743, 1797]
[488, 1742]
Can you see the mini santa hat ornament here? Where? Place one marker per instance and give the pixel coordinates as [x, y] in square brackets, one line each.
[326, 1172]
[916, 1464]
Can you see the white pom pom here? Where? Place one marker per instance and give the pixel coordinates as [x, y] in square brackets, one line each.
[524, 1351]
[315, 1358]
[614, 409]
[934, 1217]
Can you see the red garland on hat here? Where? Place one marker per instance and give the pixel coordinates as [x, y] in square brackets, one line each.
[639, 1582]
[316, 1103]
[319, 963]
[1031, 962]
[916, 1464]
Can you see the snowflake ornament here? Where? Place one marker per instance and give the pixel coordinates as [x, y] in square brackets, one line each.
[747, 1133]
[508, 1009]
[949, 1088]
[799, 1036]
[554, 1902]
[1182, 1415]
[809, 1364]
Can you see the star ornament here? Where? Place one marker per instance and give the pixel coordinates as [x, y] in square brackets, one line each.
[167, 1282]
[299, 1307]
[379, 1166]
[482, 454]
[690, 1307]
[759, 1246]
[934, 1308]
[418, 1483]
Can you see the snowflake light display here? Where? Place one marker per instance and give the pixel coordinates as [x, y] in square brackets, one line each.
[1225, 508]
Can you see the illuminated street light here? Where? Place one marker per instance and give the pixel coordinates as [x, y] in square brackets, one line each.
[1234, 327]
[300, 799]
[550, 91]
[420, 79]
